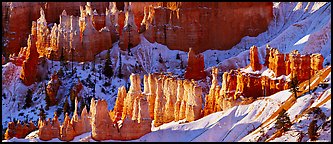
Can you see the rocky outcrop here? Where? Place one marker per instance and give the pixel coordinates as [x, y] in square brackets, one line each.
[29, 67]
[17, 17]
[101, 123]
[181, 25]
[254, 59]
[18, 130]
[130, 36]
[294, 63]
[52, 89]
[16, 23]
[75, 38]
[49, 129]
[81, 125]
[67, 132]
[240, 87]
[195, 66]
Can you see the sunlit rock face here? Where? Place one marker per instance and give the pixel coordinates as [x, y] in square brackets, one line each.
[130, 36]
[17, 17]
[18, 130]
[195, 66]
[205, 25]
[240, 87]
[29, 67]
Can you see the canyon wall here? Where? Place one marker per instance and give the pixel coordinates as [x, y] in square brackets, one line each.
[205, 25]
[179, 25]
[17, 18]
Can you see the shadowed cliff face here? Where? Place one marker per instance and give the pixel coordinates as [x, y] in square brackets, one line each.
[203, 26]
[179, 25]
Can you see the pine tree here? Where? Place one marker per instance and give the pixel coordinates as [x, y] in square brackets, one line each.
[72, 98]
[66, 107]
[120, 75]
[282, 121]
[47, 97]
[28, 99]
[42, 114]
[294, 86]
[108, 71]
[178, 56]
[160, 58]
[82, 106]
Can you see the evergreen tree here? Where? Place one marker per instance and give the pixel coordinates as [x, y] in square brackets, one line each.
[160, 58]
[82, 106]
[282, 121]
[66, 107]
[72, 98]
[108, 71]
[47, 97]
[178, 56]
[42, 114]
[294, 86]
[120, 75]
[28, 99]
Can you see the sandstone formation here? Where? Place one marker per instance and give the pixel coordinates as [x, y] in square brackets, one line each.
[67, 132]
[16, 23]
[130, 36]
[29, 67]
[199, 25]
[239, 87]
[17, 17]
[80, 125]
[254, 59]
[195, 66]
[294, 63]
[52, 89]
[101, 122]
[49, 129]
[17, 130]
[75, 38]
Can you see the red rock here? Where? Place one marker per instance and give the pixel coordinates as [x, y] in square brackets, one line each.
[52, 89]
[29, 67]
[67, 132]
[130, 36]
[195, 66]
[100, 121]
[254, 59]
[181, 25]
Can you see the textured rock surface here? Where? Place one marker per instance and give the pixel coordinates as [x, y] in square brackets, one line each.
[130, 36]
[195, 66]
[29, 67]
[254, 59]
[100, 121]
[240, 87]
[17, 130]
[52, 88]
[67, 132]
[181, 25]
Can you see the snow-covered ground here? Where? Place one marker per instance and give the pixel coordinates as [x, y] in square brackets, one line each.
[305, 26]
